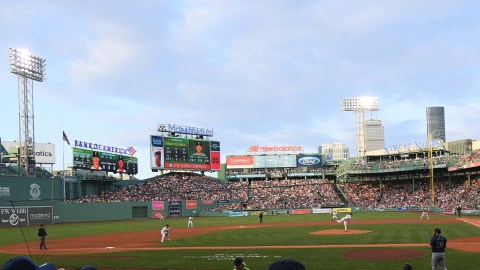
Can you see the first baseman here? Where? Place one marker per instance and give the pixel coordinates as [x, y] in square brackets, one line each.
[345, 220]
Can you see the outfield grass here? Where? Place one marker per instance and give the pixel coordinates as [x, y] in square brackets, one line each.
[267, 235]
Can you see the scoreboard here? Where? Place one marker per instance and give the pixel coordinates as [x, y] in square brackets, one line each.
[86, 159]
[184, 154]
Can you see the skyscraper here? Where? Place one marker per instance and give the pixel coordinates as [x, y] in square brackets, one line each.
[374, 135]
[436, 123]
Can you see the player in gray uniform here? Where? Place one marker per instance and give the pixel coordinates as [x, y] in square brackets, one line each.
[425, 213]
[438, 243]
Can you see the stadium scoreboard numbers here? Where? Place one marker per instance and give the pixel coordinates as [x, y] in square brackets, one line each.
[184, 153]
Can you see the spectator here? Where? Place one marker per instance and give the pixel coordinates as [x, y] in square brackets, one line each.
[286, 264]
[25, 263]
[239, 264]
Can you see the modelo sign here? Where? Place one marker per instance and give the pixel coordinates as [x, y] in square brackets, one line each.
[44, 152]
[309, 161]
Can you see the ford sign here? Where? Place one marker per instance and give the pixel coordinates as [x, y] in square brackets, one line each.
[309, 161]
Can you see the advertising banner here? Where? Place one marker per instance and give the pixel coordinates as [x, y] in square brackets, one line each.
[191, 204]
[14, 216]
[309, 161]
[156, 150]
[174, 211]
[40, 215]
[343, 210]
[238, 214]
[224, 201]
[175, 202]
[239, 162]
[44, 152]
[321, 211]
[158, 205]
[300, 211]
[26, 215]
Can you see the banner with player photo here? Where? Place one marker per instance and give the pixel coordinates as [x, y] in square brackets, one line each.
[88, 159]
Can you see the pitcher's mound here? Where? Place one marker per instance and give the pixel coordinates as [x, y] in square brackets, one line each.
[338, 231]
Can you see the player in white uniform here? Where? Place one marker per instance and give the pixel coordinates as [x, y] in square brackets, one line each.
[334, 214]
[190, 222]
[162, 217]
[425, 213]
[345, 220]
[165, 233]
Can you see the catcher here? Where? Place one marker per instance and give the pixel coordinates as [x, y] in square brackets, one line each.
[165, 233]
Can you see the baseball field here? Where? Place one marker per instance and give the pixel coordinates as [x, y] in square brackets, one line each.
[374, 241]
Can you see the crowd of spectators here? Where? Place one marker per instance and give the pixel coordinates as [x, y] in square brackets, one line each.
[401, 163]
[279, 191]
[241, 195]
[295, 193]
[447, 195]
[469, 158]
[292, 193]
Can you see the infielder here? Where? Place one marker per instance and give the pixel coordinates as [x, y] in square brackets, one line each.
[190, 222]
[425, 213]
[334, 214]
[345, 220]
[165, 233]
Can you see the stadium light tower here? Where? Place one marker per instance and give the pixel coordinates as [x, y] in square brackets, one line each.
[28, 67]
[360, 105]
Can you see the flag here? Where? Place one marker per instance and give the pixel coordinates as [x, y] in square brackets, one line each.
[131, 150]
[65, 138]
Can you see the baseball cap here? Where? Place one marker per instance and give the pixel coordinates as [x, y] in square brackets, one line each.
[25, 263]
[238, 261]
[286, 264]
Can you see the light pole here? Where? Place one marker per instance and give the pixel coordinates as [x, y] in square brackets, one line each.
[28, 67]
[360, 105]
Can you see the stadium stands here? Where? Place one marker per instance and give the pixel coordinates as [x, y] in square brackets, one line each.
[375, 184]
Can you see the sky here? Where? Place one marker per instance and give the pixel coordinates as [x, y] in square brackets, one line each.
[256, 72]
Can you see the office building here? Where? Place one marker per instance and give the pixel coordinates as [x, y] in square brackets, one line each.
[334, 151]
[436, 123]
[374, 135]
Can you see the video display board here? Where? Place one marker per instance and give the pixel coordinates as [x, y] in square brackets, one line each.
[184, 153]
[274, 161]
[87, 159]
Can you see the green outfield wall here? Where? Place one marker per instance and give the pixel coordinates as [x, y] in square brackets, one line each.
[28, 191]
